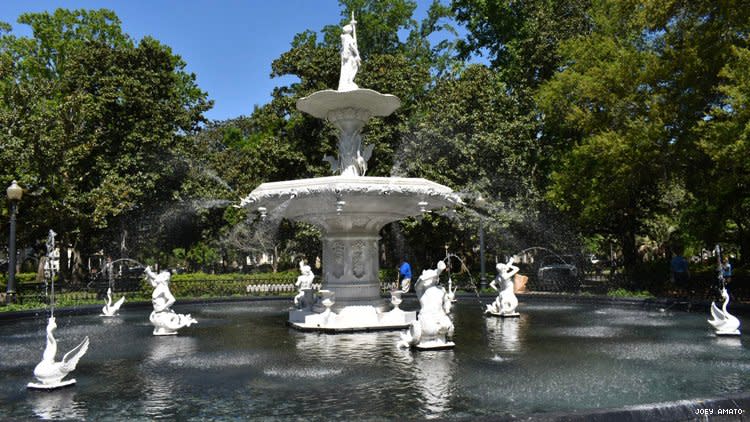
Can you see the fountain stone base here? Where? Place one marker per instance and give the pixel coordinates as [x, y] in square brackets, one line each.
[351, 319]
[53, 386]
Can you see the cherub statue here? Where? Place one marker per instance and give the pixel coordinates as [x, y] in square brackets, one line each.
[433, 329]
[304, 283]
[165, 320]
[506, 302]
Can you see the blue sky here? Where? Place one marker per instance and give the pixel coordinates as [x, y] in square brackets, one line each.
[228, 44]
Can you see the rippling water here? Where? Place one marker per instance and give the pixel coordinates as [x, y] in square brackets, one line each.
[241, 361]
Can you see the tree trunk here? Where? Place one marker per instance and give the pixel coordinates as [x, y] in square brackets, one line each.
[76, 267]
[40, 269]
[64, 273]
[275, 259]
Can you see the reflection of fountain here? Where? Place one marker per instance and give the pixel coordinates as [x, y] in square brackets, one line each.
[506, 333]
[160, 387]
[350, 209]
[165, 320]
[506, 302]
[434, 374]
[57, 405]
[49, 372]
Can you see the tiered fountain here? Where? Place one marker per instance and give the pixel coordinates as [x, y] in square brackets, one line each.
[350, 208]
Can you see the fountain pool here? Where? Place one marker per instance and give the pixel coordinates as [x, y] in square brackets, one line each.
[241, 361]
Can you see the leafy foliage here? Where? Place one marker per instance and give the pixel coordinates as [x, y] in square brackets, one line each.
[94, 122]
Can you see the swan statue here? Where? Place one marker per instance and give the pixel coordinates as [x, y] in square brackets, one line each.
[51, 373]
[723, 322]
[109, 309]
[451, 291]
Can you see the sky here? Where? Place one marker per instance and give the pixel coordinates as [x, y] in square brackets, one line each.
[228, 44]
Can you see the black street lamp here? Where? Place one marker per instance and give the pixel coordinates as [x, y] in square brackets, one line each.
[14, 193]
[480, 202]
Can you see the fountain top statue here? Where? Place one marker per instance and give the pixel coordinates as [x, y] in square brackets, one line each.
[350, 59]
[349, 108]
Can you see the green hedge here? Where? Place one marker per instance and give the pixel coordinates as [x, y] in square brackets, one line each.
[21, 278]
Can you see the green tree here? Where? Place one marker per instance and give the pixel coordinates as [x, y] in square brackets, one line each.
[628, 98]
[722, 205]
[521, 39]
[94, 123]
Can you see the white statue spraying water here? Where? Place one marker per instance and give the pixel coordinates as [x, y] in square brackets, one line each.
[724, 323]
[165, 320]
[350, 59]
[50, 373]
[506, 302]
[433, 328]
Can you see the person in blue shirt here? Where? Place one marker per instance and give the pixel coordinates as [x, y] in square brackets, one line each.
[726, 270]
[680, 271]
[404, 271]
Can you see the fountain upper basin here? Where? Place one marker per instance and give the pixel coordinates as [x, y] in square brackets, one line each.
[380, 200]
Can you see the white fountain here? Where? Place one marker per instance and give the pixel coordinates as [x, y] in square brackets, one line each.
[724, 323]
[350, 208]
[434, 328]
[49, 372]
[165, 320]
[110, 309]
[506, 302]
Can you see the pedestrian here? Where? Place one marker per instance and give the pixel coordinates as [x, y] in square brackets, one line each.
[680, 270]
[726, 270]
[404, 271]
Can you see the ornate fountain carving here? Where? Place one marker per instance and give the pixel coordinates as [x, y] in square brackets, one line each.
[304, 298]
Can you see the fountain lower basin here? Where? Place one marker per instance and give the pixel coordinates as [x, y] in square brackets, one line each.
[241, 361]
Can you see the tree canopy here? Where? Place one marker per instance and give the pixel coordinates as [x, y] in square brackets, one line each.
[578, 120]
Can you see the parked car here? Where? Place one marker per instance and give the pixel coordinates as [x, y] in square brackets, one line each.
[558, 273]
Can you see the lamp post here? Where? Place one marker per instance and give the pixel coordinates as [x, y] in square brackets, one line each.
[14, 193]
[480, 202]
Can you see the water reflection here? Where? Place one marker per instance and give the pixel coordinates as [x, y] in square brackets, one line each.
[729, 342]
[58, 404]
[506, 334]
[160, 389]
[434, 377]
[167, 348]
[357, 347]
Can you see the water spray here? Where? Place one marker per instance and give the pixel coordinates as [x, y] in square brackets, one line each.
[50, 269]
